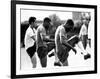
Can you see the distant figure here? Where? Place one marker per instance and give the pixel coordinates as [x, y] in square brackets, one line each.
[43, 41]
[89, 29]
[30, 40]
[63, 44]
[84, 34]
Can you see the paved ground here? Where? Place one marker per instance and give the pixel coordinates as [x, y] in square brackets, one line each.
[74, 60]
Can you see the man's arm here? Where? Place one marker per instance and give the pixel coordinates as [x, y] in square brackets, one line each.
[43, 35]
[46, 38]
[63, 38]
[64, 42]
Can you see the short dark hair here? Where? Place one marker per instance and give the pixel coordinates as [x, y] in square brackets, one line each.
[70, 22]
[32, 19]
[47, 19]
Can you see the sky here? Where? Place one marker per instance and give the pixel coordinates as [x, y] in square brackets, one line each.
[40, 15]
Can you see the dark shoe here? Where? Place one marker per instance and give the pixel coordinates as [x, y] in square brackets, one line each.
[82, 53]
[50, 55]
[87, 56]
[57, 64]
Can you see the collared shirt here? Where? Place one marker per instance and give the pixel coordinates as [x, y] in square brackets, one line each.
[58, 36]
[83, 31]
[28, 37]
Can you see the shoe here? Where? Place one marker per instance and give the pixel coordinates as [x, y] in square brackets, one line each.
[57, 64]
[82, 53]
[87, 56]
[50, 55]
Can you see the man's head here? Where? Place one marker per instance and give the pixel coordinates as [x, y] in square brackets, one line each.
[69, 25]
[86, 18]
[32, 22]
[46, 22]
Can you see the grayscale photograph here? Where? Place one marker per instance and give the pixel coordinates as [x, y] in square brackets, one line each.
[55, 38]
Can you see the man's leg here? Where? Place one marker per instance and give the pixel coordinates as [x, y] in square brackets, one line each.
[80, 45]
[31, 52]
[85, 44]
[43, 61]
[51, 54]
[50, 45]
[83, 51]
[34, 61]
[84, 41]
[42, 54]
[89, 41]
[65, 63]
[57, 61]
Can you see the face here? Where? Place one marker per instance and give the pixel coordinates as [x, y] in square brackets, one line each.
[68, 28]
[33, 24]
[47, 25]
[86, 20]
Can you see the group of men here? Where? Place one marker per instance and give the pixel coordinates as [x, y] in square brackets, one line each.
[39, 41]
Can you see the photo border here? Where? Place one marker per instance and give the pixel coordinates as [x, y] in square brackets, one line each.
[13, 38]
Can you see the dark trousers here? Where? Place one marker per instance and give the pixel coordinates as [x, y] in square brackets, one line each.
[84, 40]
[31, 50]
[42, 52]
[63, 51]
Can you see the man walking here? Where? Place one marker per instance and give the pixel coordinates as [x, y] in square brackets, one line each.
[43, 41]
[30, 44]
[84, 34]
[61, 42]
